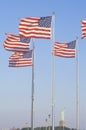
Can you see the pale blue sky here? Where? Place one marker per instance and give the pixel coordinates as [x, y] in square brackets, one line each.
[15, 84]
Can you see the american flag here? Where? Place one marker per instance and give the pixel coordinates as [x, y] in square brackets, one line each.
[16, 43]
[20, 59]
[35, 27]
[83, 28]
[65, 50]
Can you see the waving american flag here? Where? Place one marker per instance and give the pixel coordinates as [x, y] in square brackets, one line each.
[66, 50]
[35, 27]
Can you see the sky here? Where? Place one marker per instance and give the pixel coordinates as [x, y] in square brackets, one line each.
[16, 83]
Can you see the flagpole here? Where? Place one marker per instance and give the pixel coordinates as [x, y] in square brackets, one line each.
[77, 87]
[53, 72]
[32, 98]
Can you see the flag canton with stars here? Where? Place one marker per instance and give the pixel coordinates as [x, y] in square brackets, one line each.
[45, 21]
[24, 40]
[28, 54]
[71, 45]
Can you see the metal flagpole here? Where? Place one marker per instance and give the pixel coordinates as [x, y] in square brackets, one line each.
[53, 40]
[77, 87]
[32, 98]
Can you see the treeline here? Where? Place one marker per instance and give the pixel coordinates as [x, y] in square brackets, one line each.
[49, 128]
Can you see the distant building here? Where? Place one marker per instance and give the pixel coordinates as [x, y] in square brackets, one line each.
[62, 121]
[25, 127]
